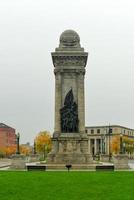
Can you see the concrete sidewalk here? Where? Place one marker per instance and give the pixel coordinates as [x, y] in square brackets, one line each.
[4, 163]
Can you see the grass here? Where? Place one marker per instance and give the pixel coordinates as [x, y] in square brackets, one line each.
[66, 186]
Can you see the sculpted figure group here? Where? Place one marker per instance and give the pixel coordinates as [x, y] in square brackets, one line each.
[69, 114]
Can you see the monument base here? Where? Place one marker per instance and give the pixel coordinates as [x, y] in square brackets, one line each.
[33, 157]
[104, 158]
[121, 161]
[69, 148]
[18, 161]
[73, 167]
[69, 158]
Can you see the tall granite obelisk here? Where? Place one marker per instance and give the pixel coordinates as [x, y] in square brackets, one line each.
[70, 143]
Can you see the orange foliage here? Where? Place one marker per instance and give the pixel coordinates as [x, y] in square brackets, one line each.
[8, 151]
[129, 144]
[43, 142]
[25, 149]
[128, 140]
[115, 145]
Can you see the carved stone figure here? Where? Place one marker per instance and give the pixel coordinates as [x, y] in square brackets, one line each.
[69, 114]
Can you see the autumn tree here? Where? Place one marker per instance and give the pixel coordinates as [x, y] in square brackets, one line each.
[115, 145]
[129, 144]
[25, 150]
[43, 142]
[8, 151]
[2, 152]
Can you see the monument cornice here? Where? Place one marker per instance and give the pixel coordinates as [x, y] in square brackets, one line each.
[69, 71]
[69, 60]
[69, 53]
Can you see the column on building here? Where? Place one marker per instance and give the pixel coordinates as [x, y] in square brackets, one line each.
[89, 146]
[95, 146]
[107, 145]
[101, 146]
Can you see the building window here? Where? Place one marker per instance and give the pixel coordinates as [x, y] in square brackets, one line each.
[86, 131]
[92, 131]
[98, 130]
[110, 130]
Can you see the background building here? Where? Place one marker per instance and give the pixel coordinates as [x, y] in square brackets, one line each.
[110, 139]
[7, 136]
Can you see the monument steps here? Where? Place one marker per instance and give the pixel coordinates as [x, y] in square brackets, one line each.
[74, 166]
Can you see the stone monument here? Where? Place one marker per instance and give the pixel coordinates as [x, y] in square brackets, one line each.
[18, 160]
[120, 161]
[69, 142]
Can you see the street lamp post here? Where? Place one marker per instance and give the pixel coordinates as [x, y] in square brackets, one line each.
[18, 145]
[104, 141]
[109, 131]
[102, 144]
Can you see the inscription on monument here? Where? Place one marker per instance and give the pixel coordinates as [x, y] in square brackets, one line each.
[69, 114]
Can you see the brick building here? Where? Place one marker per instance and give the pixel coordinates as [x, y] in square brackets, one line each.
[7, 135]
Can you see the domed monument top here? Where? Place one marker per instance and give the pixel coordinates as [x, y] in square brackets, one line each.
[70, 38]
[69, 41]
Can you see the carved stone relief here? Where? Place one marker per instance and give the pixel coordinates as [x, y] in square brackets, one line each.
[69, 60]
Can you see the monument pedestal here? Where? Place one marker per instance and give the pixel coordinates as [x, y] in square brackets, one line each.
[120, 161]
[104, 158]
[33, 158]
[18, 161]
[69, 148]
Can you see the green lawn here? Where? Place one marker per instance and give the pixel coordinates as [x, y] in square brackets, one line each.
[66, 186]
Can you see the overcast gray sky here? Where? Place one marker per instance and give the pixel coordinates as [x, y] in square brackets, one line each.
[29, 32]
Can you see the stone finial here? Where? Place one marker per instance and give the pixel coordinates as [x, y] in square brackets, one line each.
[69, 38]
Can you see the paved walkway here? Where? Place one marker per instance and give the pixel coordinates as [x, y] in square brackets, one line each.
[131, 164]
[4, 164]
